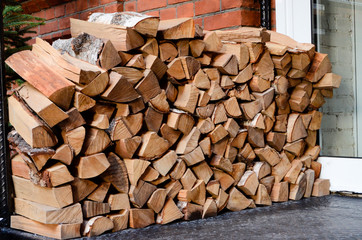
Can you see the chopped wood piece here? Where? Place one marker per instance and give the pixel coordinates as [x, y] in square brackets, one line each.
[309, 174]
[276, 140]
[175, 69]
[150, 47]
[266, 98]
[187, 98]
[177, 28]
[299, 100]
[169, 213]
[208, 111]
[198, 192]
[315, 123]
[205, 145]
[280, 192]
[219, 148]
[218, 133]
[281, 123]
[295, 128]
[155, 65]
[237, 201]
[221, 200]
[246, 154]
[296, 148]
[119, 89]
[123, 39]
[282, 61]
[258, 84]
[96, 86]
[226, 63]
[99, 121]
[188, 179]
[244, 75]
[240, 138]
[132, 75]
[222, 163]
[238, 171]
[135, 169]
[205, 125]
[265, 67]
[171, 92]
[183, 47]
[313, 152]
[300, 61]
[255, 51]
[57, 231]
[168, 51]
[316, 100]
[149, 86]
[64, 153]
[190, 66]
[262, 197]
[251, 109]
[136, 61]
[169, 134]
[173, 188]
[153, 146]
[32, 130]
[19, 167]
[188, 142]
[118, 201]
[164, 164]
[56, 175]
[244, 34]
[293, 173]
[48, 215]
[157, 200]
[153, 119]
[256, 137]
[81, 188]
[99, 194]
[120, 220]
[55, 197]
[248, 183]
[83, 102]
[91, 209]
[197, 46]
[232, 107]
[139, 194]
[328, 81]
[268, 182]
[297, 190]
[232, 127]
[191, 211]
[116, 173]
[319, 67]
[240, 50]
[92, 166]
[194, 157]
[74, 120]
[97, 225]
[281, 169]
[140, 218]
[321, 187]
[160, 102]
[41, 105]
[96, 141]
[262, 169]
[126, 148]
[150, 174]
[39, 75]
[201, 80]
[212, 42]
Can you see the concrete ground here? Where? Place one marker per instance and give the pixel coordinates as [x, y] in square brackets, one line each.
[331, 217]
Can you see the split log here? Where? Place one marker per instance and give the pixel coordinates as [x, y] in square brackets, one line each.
[262, 197]
[140, 218]
[280, 192]
[226, 64]
[116, 173]
[237, 201]
[135, 169]
[157, 200]
[321, 187]
[97, 225]
[297, 190]
[248, 183]
[169, 213]
[153, 146]
[140, 193]
[92, 166]
[118, 201]
[120, 221]
[100, 193]
[177, 28]
[91, 209]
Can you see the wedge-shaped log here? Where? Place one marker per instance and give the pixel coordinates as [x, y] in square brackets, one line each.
[91, 209]
[39, 75]
[55, 197]
[123, 38]
[135, 169]
[34, 132]
[119, 220]
[210, 208]
[262, 197]
[237, 201]
[140, 193]
[96, 141]
[169, 213]
[319, 67]
[297, 190]
[153, 146]
[96, 226]
[57, 231]
[295, 128]
[280, 192]
[177, 28]
[226, 64]
[249, 183]
[92, 166]
[321, 187]
[100, 193]
[119, 89]
[140, 218]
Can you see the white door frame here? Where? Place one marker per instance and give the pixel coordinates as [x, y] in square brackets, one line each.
[294, 18]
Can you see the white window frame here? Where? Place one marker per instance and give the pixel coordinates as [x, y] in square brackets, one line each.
[294, 18]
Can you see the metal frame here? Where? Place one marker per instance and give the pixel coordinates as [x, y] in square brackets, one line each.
[265, 14]
[6, 204]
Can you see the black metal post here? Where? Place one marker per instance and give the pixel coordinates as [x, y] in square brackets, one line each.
[5, 176]
[265, 14]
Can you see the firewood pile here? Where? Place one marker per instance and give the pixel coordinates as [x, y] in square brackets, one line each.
[136, 121]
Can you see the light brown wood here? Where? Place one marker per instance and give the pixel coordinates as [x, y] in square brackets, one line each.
[265, 67]
[169, 213]
[97, 225]
[281, 169]
[56, 175]
[46, 214]
[188, 179]
[150, 47]
[173, 188]
[157, 200]
[295, 128]
[280, 192]
[248, 183]
[256, 137]
[74, 120]
[123, 39]
[187, 98]
[205, 125]
[60, 91]
[226, 64]
[319, 67]
[201, 80]
[183, 47]
[168, 51]
[261, 169]
[55, 197]
[126, 148]
[81, 188]
[92, 165]
[154, 64]
[197, 46]
[276, 49]
[222, 163]
[139, 194]
[91, 209]
[316, 120]
[135, 169]
[198, 192]
[169, 134]
[57, 231]
[132, 75]
[251, 109]
[293, 173]
[99, 194]
[150, 174]
[221, 200]
[297, 190]
[240, 50]
[296, 148]
[276, 140]
[153, 119]
[309, 174]
[177, 28]
[237, 201]
[188, 142]
[262, 197]
[140, 218]
[119, 220]
[119, 89]
[153, 146]
[116, 173]
[321, 187]
[148, 87]
[118, 201]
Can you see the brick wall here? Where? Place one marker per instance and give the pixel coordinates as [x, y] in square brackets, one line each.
[210, 14]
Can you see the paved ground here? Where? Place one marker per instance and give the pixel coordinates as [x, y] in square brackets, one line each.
[332, 217]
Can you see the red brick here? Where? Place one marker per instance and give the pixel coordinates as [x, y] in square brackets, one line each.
[273, 17]
[130, 6]
[48, 38]
[272, 3]
[227, 4]
[85, 15]
[185, 10]
[199, 22]
[57, 35]
[144, 5]
[60, 10]
[82, 5]
[49, 13]
[49, 27]
[40, 14]
[115, 7]
[250, 18]
[154, 13]
[93, 3]
[65, 22]
[31, 7]
[102, 2]
[71, 8]
[207, 6]
[66, 33]
[176, 1]
[168, 13]
[223, 20]
[250, 3]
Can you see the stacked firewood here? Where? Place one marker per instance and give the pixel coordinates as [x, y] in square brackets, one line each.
[136, 121]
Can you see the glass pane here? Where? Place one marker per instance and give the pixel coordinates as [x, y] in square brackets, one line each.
[338, 33]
